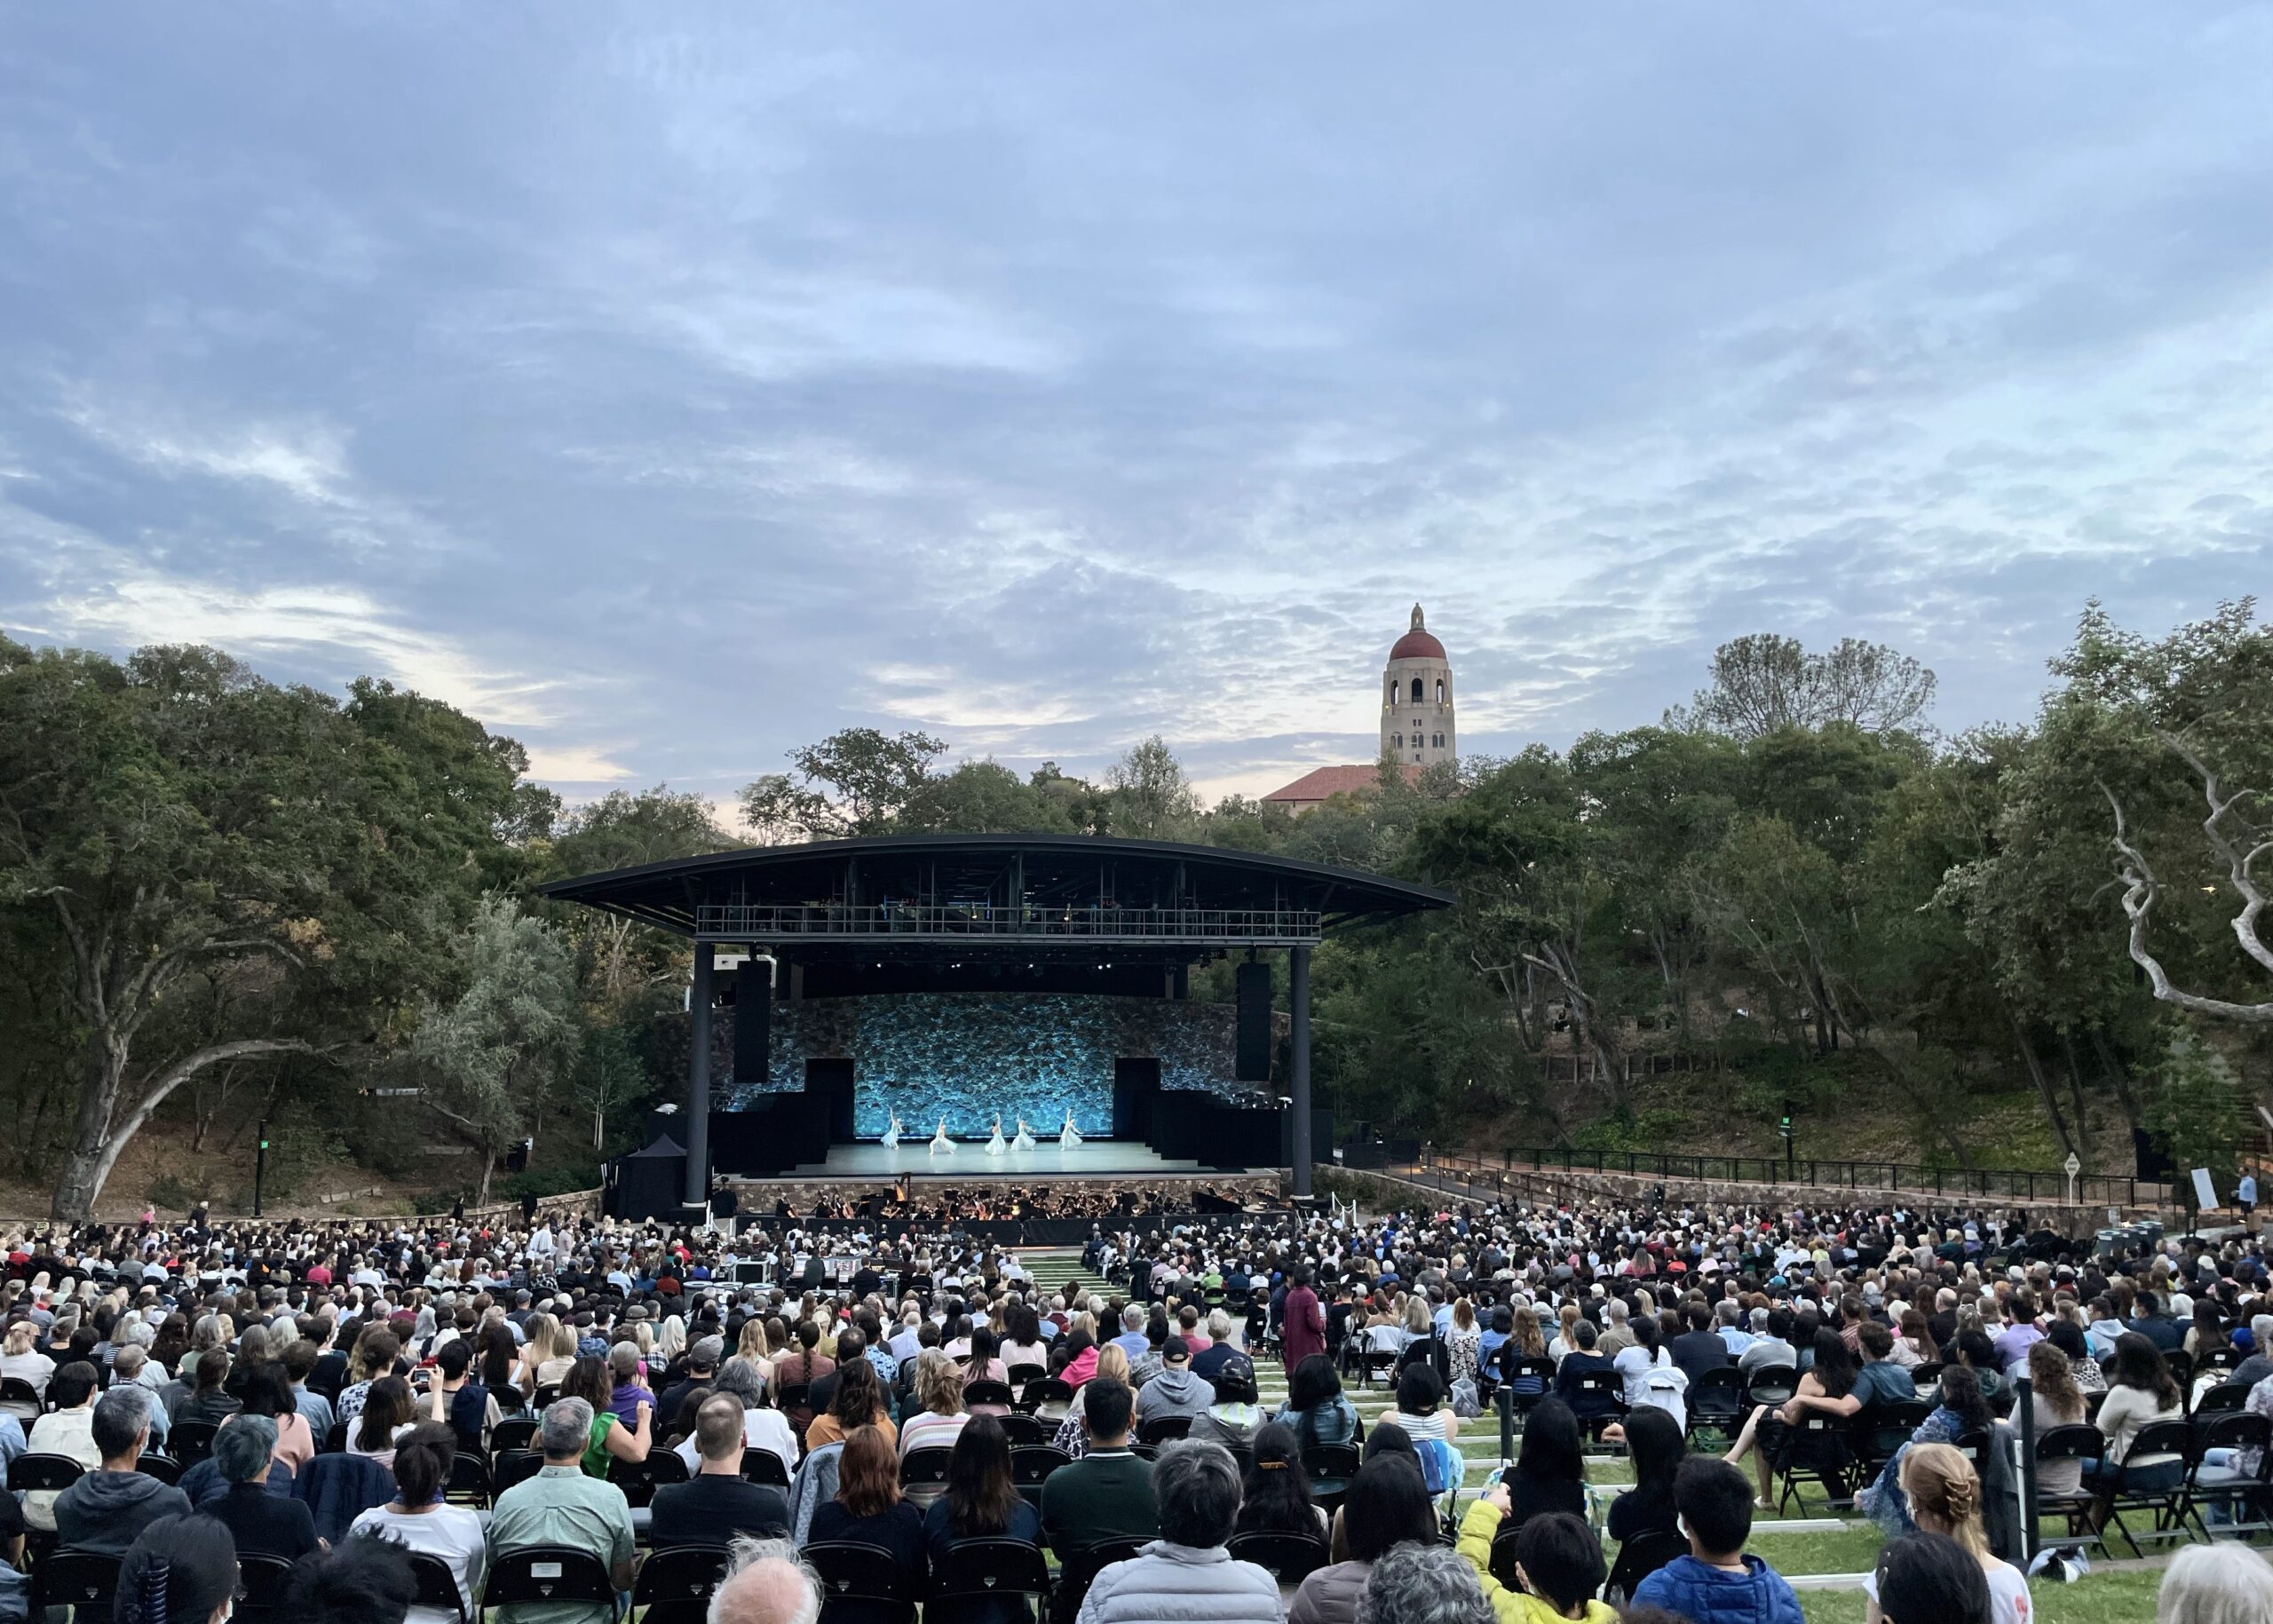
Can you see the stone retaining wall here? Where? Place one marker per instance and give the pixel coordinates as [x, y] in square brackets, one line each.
[1560, 1189]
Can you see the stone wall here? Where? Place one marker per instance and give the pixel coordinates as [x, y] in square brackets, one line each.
[1560, 1188]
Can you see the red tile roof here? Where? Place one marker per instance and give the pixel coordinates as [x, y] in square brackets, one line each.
[1320, 782]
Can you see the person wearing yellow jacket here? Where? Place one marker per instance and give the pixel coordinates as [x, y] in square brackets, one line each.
[1558, 1561]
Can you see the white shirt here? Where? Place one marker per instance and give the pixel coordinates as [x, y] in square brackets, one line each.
[451, 1532]
[766, 1429]
[2009, 1597]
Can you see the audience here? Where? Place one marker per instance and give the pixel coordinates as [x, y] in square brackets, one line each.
[982, 1502]
[867, 1510]
[1387, 1505]
[263, 1524]
[1186, 1573]
[1423, 1584]
[1717, 1580]
[1943, 1493]
[418, 1519]
[67, 1431]
[107, 1509]
[563, 1505]
[1108, 1495]
[180, 1570]
[358, 1582]
[715, 1506]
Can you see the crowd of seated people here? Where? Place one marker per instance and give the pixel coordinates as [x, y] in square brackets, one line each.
[468, 1392]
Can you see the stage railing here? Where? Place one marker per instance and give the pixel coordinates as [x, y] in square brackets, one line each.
[965, 922]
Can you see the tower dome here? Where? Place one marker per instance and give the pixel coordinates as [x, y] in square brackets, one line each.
[1417, 700]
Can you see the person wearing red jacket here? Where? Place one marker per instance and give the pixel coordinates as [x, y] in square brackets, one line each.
[1302, 1329]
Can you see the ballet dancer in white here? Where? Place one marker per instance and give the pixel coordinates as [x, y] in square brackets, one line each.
[995, 1146]
[1024, 1141]
[891, 1134]
[940, 1144]
[1067, 1139]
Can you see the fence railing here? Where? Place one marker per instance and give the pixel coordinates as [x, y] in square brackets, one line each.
[955, 922]
[1893, 1178]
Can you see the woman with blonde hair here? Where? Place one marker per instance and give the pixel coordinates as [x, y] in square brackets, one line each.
[938, 1388]
[753, 1344]
[1112, 1360]
[20, 1357]
[1944, 1496]
[1564, 1344]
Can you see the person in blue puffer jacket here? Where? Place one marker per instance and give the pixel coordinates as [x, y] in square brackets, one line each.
[1717, 1583]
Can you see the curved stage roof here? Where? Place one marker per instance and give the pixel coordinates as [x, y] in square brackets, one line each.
[1012, 893]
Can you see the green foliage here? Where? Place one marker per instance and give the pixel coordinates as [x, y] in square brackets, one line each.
[564, 1178]
[2194, 1108]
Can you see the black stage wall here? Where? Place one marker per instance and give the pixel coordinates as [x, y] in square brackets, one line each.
[1251, 1059]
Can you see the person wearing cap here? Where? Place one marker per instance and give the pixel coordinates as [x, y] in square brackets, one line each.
[1175, 1391]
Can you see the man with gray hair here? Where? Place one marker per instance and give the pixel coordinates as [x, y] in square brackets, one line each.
[766, 1582]
[561, 1506]
[1186, 1575]
[1132, 1340]
[2259, 1364]
[1414, 1583]
[106, 1511]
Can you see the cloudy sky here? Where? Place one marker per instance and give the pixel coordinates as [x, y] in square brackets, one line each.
[672, 386]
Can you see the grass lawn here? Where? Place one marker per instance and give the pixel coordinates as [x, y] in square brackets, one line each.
[2104, 1598]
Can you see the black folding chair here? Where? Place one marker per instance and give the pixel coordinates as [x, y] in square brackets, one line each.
[520, 1433]
[989, 1393]
[2240, 1492]
[1078, 1570]
[192, 1441]
[639, 1479]
[764, 1466]
[1046, 1398]
[2074, 1442]
[675, 1583]
[1882, 1430]
[547, 1573]
[924, 1474]
[977, 1572]
[1599, 1399]
[1501, 1562]
[1031, 1465]
[1820, 1453]
[1023, 1429]
[87, 1579]
[2226, 1398]
[262, 1579]
[21, 1399]
[29, 1473]
[1159, 1429]
[1331, 1467]
[854, 1571]
[469, 1482]
[1639, 1557]
[1772, 1385]
[1926, 1376]
[1518, 1375]
[2145, 1482]
[1020, 1375]
[164, 1468]
[437, 1586]
[1289, 1558]
[1716, 1402]
[512, 1466]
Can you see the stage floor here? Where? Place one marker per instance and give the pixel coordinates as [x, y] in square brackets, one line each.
[1091, 1159]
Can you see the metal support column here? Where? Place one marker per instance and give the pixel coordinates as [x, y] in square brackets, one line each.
[1298, 1002]
[698, 1079]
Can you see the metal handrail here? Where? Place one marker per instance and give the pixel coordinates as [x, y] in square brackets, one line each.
[1033, 921]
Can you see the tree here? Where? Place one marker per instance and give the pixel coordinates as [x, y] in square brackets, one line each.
[1151, 799]
[853, 782]
[178, 818]
[1764, 682]
[981, 797]
[622, 830]
[509, 1039]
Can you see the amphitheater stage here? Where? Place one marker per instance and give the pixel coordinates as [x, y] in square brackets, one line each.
[869, 1161]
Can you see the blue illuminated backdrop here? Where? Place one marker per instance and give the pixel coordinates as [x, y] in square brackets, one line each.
[966, 1056]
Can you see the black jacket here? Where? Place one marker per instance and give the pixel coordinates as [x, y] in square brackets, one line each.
[266, 1524]
[711, 1509]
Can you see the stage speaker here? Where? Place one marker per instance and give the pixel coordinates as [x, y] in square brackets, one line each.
[753, 1029]
[1252, 1061]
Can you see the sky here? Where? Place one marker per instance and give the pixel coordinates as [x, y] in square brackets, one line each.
[673, 386]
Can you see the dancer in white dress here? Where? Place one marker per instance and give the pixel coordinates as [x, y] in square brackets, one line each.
[940, 1143]
[891, 1134]
[1067, 1139]
[995, 1146]
[1024, 1141]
